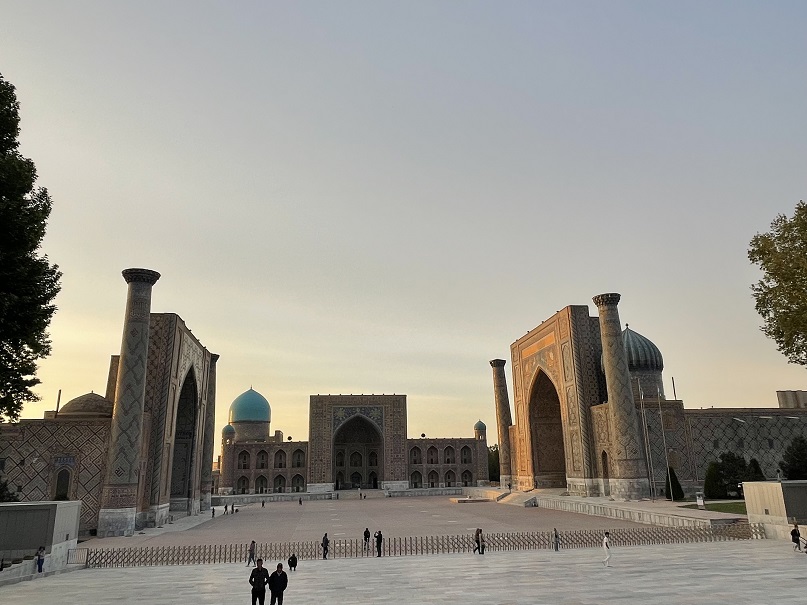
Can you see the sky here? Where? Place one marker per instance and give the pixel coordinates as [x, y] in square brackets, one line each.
[380, 197]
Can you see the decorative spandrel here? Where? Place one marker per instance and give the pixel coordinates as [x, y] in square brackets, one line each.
[373, 413]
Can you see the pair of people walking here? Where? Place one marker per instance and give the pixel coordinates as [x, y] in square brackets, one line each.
[277, 582]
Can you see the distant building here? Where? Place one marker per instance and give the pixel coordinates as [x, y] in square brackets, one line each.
[359, 441]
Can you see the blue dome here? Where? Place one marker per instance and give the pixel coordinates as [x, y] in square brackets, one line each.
[480, 426]
[641, 352]
[250, 406]
[228, 431]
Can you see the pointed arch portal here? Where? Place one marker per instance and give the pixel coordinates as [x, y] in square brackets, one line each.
[546, 432]
[358, 441]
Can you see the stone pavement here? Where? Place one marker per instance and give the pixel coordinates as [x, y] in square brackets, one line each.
[759, 572]
[346, 519]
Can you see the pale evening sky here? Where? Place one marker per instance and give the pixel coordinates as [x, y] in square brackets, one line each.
[379, 197]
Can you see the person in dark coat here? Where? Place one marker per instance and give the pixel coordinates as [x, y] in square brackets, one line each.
[259, 578]
[293, 562]
[325, 543]
[379, 540]
[477, 543]
[277, 584]
[366, 538]
[795, 536]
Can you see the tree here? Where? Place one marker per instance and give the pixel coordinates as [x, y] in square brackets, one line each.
[754, 471]
[781, 294]
[676, 491]
[794, 464]
[713, 487]
[733, 471]
[493, 462]
[28, 282]
[6, 495]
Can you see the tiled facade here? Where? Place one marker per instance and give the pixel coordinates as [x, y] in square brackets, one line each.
[359, 442]
[564, 431]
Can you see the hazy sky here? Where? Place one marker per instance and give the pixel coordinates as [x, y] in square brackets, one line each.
[375, 197]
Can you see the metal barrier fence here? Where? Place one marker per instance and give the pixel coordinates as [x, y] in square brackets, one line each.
[404, 546]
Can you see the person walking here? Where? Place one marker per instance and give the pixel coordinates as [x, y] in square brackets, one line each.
[251, 553]
[555, 539]
[795, 537]
[366, 538]
[481, 543]
[325, 543]
[258, 579]
[213, 512]
[277, 584]
[606, 546]
[301, 501]
[379, 541]
[477, 533]
[293, 562]
[263, 503]
[225, 509]
[40, 559]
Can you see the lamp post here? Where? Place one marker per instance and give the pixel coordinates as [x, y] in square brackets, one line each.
[648, 452]
[664, 441]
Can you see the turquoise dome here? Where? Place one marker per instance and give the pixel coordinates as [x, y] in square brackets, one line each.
[228, 431]
[642, 354]
[480, 426]
[250, 406]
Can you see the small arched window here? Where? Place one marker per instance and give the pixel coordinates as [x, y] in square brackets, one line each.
[263, 459]
[431, 455]
[355, 459]
[415, 456]
[448, 455]
[340, 458]
[243, 460]
[465, 455]
[280, 460]
[373, 458]
[298, 459]
[62, 485]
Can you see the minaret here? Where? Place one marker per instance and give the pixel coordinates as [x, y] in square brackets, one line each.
[120, 489]
[209, 435]
[503, 420]
[628, 475]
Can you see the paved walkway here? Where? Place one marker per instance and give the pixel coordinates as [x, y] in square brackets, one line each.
[759, 572]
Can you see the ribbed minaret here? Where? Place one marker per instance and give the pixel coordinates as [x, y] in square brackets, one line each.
[210, 436]
[628, 472]
[120, 490]
[503, 420]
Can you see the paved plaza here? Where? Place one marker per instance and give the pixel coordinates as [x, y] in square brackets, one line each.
[759, 572]
[346, 519]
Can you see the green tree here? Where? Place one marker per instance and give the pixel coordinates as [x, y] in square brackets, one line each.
[754, 471]
[733, 471]
[794, 463]
[781, 294]
[676, 491]
[493, 462]
[6, 495]
[28, 282]
[713, 486]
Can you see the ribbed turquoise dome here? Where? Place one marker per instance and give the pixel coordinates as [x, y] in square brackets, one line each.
[480, 426]
[228, 431]
[641, 352]
[250, 406]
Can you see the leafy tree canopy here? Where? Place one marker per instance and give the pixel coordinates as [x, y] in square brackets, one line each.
[28, 282]
[794, 463]
[493, 462]
[781, 294]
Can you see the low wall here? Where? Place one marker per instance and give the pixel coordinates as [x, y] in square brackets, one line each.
[614, 511]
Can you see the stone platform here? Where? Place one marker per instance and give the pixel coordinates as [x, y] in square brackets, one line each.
[758, 572]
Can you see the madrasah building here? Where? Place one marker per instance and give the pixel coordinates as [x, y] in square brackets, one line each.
[590, 415]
